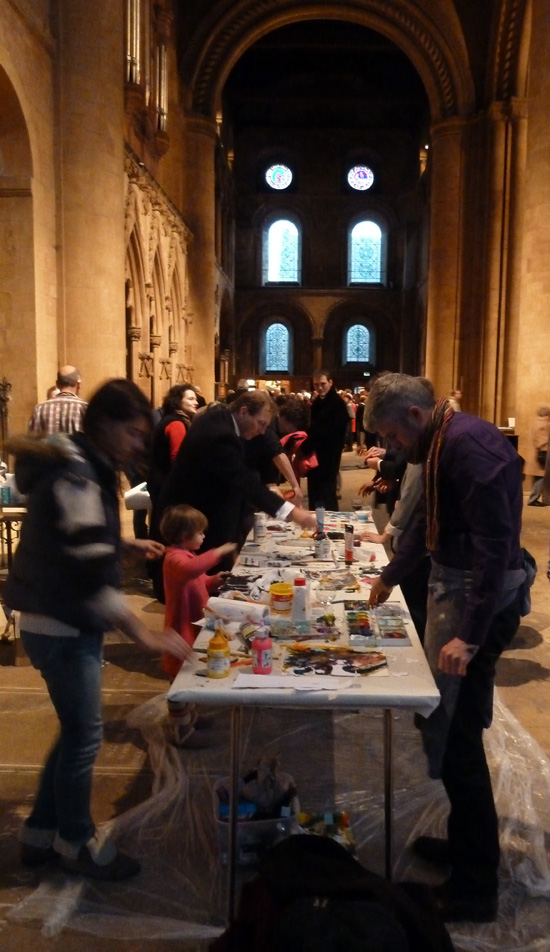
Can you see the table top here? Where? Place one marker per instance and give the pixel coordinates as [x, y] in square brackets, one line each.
[406, 682]
[12, 512]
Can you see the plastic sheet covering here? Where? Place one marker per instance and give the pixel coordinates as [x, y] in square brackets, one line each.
[337, 761]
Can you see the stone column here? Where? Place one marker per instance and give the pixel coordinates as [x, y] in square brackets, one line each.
[493, 313]
[200, 141]
[155, 341]
[518, 154]
[91, 328]
[534, 339]
[444, 270]
[317, 344]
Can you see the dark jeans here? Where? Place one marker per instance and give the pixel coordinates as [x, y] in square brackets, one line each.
[473, 822]
[71, 668]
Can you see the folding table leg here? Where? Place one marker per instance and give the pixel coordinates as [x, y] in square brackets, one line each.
[388, 791]
[236, 727]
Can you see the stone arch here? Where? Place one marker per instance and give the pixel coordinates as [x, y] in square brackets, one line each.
[382, 323]
[507, 71]
[432, 39]
[18, 320]
[253, 323]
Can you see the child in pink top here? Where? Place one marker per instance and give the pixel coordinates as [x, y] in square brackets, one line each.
[187, 588]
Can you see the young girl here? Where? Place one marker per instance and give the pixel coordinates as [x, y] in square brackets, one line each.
[187, 589]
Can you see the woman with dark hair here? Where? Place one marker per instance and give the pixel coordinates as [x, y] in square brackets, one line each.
[65, 581]
[178, 409]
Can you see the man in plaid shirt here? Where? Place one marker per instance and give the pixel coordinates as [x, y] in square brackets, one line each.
[64, 412]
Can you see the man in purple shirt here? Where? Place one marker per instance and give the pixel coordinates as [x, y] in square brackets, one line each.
[469, 519]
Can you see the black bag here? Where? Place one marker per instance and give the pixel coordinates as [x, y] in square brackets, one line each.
[541, 458]
[312, 894]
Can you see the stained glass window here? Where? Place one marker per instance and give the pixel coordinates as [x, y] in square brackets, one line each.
[365, 264]
[282, 251]
[360, 177]
[358, 344]
[278, 176]
[276, 349]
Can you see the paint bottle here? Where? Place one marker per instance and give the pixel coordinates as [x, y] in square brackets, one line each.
[300, 600]
[322, 547]
[348, 544]
[260, 527]
[217, 656]
[262, 652]
[280, 594]
[320, 517]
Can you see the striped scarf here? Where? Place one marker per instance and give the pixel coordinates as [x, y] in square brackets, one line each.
[441, 417]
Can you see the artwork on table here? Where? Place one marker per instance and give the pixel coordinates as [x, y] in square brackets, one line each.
[331, 660]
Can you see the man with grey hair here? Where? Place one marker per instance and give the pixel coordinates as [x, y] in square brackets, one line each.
[469, 519]
[64, 412]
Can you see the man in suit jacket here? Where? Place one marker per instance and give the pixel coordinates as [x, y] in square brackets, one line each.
[210, 472]
[326, 437]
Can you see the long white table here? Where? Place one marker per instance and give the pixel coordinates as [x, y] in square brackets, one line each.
[407, 683]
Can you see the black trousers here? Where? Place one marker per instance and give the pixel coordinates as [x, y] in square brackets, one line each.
[321, 486]
[473, 821]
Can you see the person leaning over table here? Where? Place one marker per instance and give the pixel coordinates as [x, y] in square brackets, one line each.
[470, 521]
[210, 472]
[65, 581]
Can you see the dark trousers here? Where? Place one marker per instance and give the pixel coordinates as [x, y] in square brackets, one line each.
[473, 822]
[321, 486]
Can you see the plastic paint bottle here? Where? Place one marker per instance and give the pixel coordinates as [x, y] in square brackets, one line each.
[262, 652]
[320, 517]
[217, 656]
[300, 600]
[348, 544]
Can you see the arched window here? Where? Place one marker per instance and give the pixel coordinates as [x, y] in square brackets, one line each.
[281, 252]
[367, 254]
[277, 349]
[358, 343]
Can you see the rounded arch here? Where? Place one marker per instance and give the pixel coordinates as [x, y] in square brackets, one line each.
[507, 72]
[251, 333]
[432, 39]
[24, 292]
[15, 153]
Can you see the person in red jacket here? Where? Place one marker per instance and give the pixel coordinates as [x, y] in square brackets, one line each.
[187, 588]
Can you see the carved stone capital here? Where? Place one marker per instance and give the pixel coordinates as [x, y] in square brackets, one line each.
[134, 333]
[155, 340]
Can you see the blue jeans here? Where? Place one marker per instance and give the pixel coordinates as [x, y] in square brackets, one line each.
[71, 668]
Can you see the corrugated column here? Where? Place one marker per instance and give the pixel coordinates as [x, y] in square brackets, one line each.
[534, 338]
[91, 326]
[444, 272]
[200, 139]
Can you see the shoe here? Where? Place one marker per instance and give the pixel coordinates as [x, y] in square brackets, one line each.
[456, 908]
[432, 849]
[536, 503]
[33, 856]
[119, 868]
[98, 859]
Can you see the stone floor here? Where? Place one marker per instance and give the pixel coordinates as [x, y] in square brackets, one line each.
[124, 776]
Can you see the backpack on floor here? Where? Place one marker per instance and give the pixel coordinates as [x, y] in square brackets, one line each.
[312, 894]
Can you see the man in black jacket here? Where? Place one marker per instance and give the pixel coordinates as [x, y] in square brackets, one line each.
[326, 437]
[210, 472]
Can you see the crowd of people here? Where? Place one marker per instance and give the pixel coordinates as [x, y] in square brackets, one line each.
[452, 484]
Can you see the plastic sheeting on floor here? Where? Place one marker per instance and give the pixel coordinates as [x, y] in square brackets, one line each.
[337, 762]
